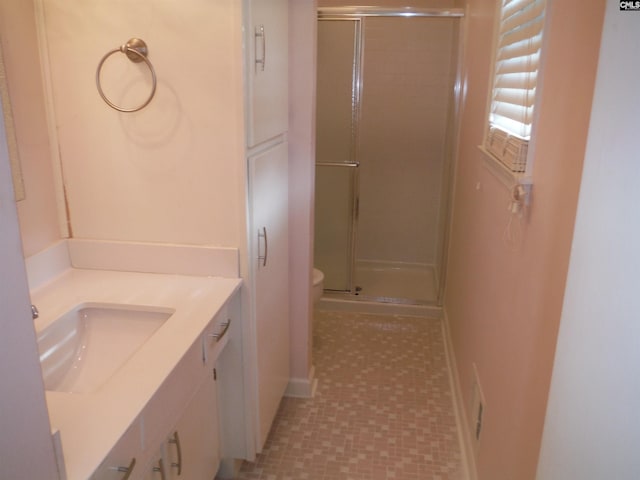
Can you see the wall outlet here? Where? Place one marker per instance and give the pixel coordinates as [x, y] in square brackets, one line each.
[478, 407]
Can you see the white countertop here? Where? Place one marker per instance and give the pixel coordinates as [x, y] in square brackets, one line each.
[90, 424]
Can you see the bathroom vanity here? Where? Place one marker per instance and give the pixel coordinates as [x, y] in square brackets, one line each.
[159, 410]
[202, 166]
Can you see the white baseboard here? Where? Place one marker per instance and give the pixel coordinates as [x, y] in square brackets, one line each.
[302, 387]
[464, 434]
[229, 469]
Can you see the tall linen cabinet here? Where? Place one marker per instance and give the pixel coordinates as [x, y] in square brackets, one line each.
[266, 113]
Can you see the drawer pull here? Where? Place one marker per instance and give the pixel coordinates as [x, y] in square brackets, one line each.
[128, 469]
[225, 327]
[260, 33]
[176, 441]
[160, 468]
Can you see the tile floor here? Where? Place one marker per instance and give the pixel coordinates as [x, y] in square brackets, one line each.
[383, 408]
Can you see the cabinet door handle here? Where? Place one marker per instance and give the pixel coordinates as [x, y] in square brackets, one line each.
[160, 468]
[176, 441]
[127, 470]
[225, 327]
[261, 61]
[263, 234]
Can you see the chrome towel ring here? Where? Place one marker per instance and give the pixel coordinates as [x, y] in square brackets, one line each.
[136, 50]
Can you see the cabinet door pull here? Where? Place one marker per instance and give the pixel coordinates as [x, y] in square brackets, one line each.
[263, 234]
[225, 327]
[128, 469]
[176, 441]
[160, 468]
[261, 34]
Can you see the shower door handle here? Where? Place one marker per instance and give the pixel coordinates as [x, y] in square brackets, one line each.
[263, 258]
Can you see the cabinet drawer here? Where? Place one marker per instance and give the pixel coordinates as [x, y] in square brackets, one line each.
[215, 337]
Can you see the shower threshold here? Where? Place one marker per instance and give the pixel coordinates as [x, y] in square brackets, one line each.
[347, 302]
[361, 297]
[397, 282]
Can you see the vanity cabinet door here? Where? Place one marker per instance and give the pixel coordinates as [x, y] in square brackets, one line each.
[157, 468]
[267, 69]
[126, 455]
[192, 449]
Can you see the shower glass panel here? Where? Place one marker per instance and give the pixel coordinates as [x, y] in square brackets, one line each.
[336, 164]
[333, 242]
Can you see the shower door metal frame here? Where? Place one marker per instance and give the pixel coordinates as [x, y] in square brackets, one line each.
[356, 97]
[358, 12]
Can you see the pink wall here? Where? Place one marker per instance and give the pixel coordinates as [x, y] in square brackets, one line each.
[504, 305]
[37, 212]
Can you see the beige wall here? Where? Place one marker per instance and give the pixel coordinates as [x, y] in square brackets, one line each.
[130, 176]
[37, 212]
[171, 172]
[301, 180]
[504, 304]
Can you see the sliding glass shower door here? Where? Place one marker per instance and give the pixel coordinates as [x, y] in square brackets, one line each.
[336, 156]
[386, 123]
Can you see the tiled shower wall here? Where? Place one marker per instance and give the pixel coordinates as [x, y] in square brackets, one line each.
[407, 95]
[394, 3]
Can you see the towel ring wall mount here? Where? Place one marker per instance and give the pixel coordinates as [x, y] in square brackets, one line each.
[136, 50]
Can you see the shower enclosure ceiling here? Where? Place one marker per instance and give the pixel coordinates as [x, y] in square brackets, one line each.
[385, 118]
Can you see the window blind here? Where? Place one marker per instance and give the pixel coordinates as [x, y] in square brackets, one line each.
[514, 86]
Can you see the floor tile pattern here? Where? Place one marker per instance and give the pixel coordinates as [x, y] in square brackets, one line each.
[383, 408]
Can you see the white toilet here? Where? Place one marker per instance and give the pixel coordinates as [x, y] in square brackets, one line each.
[318, 285]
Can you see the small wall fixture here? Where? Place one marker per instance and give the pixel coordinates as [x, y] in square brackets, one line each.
[136, 50]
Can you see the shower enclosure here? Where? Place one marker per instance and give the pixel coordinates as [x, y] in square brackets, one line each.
[385, 122]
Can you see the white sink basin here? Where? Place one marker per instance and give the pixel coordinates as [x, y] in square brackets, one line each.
[84, 347]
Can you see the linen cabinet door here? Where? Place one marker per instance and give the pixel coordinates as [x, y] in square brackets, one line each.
[267, 69]
[270, 277]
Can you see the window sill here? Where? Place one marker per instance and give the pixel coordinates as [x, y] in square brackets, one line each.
[508, 178]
